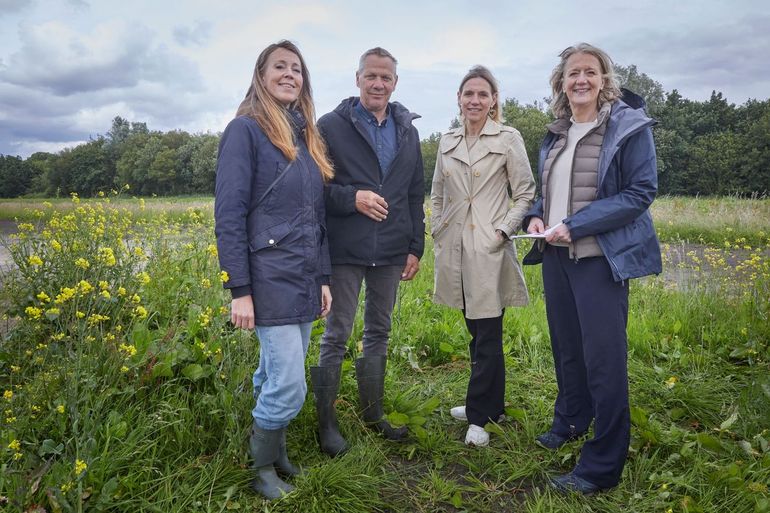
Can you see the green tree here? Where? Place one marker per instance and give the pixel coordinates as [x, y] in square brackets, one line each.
[530, 120]
[15, 176]
[635, 81]
[429, 148]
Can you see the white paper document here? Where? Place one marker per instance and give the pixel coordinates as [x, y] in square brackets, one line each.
[536, 235]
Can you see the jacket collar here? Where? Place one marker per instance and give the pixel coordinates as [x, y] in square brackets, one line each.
[450, 143]
[401, 114]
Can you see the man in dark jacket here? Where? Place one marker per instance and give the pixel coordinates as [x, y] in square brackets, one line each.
[376, 231]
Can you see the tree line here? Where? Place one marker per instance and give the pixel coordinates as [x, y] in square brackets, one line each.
[707, 147]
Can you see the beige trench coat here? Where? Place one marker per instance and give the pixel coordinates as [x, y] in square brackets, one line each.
[469, 201]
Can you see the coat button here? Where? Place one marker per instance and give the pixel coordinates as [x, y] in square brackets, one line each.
[271, 241]
[476, 173]
[473, 226]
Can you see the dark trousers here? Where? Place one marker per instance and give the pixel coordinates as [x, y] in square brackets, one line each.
[587, 314]
[484, 400]
[380, 298]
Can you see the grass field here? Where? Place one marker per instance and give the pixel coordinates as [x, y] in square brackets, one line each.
[124, 389]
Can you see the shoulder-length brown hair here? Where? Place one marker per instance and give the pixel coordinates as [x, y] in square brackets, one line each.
[260, 105]
[610, 90]
[479, 71]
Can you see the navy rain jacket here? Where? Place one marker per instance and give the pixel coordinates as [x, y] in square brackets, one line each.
[279, 249]
[627, 185]
[353, 237]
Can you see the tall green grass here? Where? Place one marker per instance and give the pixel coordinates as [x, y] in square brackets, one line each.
[150, 412]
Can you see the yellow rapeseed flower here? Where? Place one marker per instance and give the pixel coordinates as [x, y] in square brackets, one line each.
[224, 277]
[670, 382]
[103, 285]
[56, 245]
[80, 467]
[105, 294]
[34, 261]
[33, 312]
[140, 312]
[8, 395]
[136, 298]
[60, 408]
[82, 263]
[121, 291]
[205, 283]
[65, 295]
[14, 445]
[42, 296]
[107, 256]
[138, 251]
[85, 287]
[212, 249]
[129, 349]
[143, 278]
[80, 314]
[124, 369]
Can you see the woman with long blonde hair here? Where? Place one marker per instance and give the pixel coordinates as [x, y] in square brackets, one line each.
[271, 237]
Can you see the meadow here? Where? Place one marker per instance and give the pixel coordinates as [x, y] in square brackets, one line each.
[125, 389]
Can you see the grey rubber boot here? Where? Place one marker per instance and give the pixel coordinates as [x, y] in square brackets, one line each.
[370, 374]
[326, 382]
[265, 446]
[282, 464]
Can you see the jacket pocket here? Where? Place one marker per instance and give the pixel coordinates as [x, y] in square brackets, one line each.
[270, 237]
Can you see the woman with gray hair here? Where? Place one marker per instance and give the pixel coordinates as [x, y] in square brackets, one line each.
[598, 178]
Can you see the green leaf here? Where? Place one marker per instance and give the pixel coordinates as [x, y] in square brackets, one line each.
[457, 499]
[397, 419]
[517, 414]
[639, 417]
[195, 371]
[676, 413]
[729, 422]
[428, 406]
[50, 447]
[446, 347]
[677, 327]
[162, 369]
[709, 442]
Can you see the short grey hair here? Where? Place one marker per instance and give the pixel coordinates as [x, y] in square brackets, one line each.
[379, 52]
[610, 90]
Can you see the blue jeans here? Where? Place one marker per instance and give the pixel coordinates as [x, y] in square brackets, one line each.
[279, 381]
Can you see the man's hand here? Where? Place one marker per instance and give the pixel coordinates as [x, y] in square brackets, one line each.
[411, 268]
[326, 301]
[242, 312]
[371, 204]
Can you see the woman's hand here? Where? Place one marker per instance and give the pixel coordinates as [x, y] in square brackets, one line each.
[559, 233]
[536, 225]
[501, 236]
[326, 301]
[242, 312]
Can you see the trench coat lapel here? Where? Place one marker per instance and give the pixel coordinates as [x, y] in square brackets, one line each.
[482, 148]
[454, 146]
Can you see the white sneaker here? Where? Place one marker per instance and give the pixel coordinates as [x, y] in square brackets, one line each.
[476, 436]
[458, 412]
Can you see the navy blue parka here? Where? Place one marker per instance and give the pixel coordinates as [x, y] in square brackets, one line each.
[627, 185]
[277, 250]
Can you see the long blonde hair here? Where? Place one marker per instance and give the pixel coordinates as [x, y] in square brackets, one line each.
[260, 105]
[610, 90]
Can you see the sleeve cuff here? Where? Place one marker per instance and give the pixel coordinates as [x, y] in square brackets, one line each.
[243, 290]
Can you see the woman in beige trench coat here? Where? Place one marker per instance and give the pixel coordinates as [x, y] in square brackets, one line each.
[473, 216]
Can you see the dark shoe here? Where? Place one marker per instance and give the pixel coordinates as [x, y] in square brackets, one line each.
[570, 483]
[282, 464]
[265, 446]
[551, 440]
[326, 382]
[370, 374]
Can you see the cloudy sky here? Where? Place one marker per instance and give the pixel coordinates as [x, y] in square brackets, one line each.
[67, 67]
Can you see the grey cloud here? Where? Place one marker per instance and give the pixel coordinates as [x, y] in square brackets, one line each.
[12, 6]
[702, 59]
[39, 64]
[197, 34]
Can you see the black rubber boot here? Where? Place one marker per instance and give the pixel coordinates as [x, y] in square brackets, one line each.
[370, 373]
[265, 446]
[282, 464]
[326, 382]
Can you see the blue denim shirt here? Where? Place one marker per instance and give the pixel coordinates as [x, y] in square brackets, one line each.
[382, 136]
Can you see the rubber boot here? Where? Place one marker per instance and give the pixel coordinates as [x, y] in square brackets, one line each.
[282, 464]
[326, 382]
[265, 446]
[370, 374]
